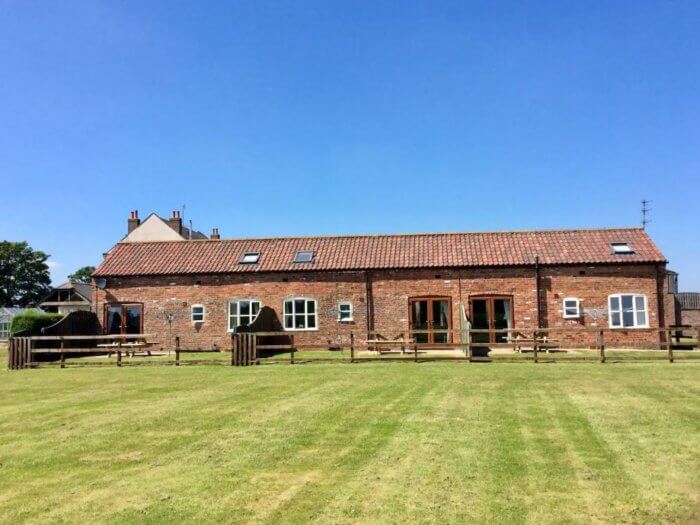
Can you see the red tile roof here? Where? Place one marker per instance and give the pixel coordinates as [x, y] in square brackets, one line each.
[358, 252]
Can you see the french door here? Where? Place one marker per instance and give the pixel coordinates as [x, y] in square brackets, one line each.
[491, 313]
[123, 319]
[434, 316]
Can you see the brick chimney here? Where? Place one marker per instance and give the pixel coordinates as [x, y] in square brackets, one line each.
[215, 234]
[134, 221]
[175, 222]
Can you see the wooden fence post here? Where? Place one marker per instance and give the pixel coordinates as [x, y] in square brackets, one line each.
[63, 355]
[669, 346]
[12, 354]
[535, 346]
[697, 341]
[119, 358]
[246, 350]
[352, 347]
[601, 345]
[177, 351]
[291, 352]
[415, 352]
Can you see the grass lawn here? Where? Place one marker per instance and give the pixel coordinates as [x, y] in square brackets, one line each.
[372, 442]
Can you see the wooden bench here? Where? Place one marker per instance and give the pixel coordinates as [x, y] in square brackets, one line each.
[544, 343]
[129, 348]
[378, 343]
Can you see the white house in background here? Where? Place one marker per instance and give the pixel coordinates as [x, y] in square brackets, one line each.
[155, 228]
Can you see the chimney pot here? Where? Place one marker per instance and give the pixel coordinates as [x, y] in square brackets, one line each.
[133, 221]
[175, 222]
[215, 234]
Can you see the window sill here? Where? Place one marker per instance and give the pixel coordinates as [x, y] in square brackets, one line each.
[346, 320]
[300, 329]
[629, 327]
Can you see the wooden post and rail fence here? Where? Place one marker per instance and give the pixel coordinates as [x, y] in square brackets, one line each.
[246, 348]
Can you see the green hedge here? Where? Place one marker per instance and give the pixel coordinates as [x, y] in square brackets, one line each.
[33, 321]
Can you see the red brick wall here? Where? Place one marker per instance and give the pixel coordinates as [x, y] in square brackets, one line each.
[176, 294]
[390, 291]
[592, 285]
[691, 317]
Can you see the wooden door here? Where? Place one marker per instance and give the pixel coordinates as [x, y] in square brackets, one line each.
[494, 312]
[432, 316]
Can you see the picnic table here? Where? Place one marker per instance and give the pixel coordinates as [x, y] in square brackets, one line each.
[378, 343]
[542, 342]
[129, 346]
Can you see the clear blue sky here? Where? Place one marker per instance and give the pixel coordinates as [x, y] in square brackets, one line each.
[289, 118]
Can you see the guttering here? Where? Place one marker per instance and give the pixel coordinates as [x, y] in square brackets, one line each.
[539, 299]
[368, 300]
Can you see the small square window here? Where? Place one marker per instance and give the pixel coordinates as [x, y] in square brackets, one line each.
[250, 258]
[303, 256]
[345, 312]
[621, 248]
[197, 313]
[572, 308]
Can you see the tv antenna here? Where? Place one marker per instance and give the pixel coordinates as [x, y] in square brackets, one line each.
[645, 213]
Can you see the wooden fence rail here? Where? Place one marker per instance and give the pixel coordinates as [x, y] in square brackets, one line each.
[246, 347]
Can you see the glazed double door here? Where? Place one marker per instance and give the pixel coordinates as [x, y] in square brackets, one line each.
[493, 314]
[431, 317]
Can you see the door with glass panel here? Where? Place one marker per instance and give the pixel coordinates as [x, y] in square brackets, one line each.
[123, 319]
[491, 313]
[431, 316]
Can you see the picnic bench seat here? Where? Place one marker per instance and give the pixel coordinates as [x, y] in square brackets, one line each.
[378, 343]
[129, 347]
[544, 343]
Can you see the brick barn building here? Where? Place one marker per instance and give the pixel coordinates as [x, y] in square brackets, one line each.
[324, 287]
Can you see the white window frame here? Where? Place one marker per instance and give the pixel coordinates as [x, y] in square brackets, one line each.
[577, 315]
[634, 311]
[350, 317]
[204, 313]
[238, 302]
[306, 314]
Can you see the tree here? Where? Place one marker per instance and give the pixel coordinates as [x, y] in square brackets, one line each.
[83, 275]
[24, 274]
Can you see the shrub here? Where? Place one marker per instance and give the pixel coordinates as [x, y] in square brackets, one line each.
[33, 321]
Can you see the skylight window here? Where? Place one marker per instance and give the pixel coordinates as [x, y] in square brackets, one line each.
[303, 256]
[621, 248]
[250, 258]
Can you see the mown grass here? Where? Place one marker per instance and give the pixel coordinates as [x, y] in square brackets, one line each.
[365, 443]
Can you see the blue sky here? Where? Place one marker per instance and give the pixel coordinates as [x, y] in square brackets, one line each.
[291, 118]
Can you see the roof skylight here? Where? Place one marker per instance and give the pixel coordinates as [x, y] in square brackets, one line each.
[303, 256]
[250, 258]
[621, 248]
